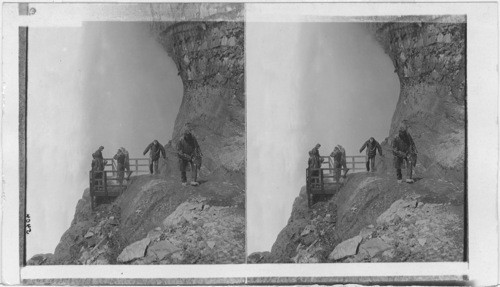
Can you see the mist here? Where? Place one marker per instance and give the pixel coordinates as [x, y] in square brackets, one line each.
[308, 83]
[107, 84]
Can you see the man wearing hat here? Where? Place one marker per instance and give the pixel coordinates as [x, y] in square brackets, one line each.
[371, 146]
[155, 149]
[120, 165]
[404, 150]
[98, 163]
[315, 159]
[189, 153]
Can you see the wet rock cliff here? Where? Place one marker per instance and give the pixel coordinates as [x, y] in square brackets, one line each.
[156, 220]
[373, 218]
[430, 61]
[209, 55]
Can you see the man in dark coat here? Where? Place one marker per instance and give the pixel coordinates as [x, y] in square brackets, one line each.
[343, 161]
[98, 163]
[155, 149]
[120, 164]
[127, 161]
[337, 162]
[371, 146]
[315, 159]
[404, 150]
[189, 153]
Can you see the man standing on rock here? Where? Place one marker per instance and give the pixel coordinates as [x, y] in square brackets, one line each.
[154, 155]
[404, 149]
[371, 146]
[189, 153]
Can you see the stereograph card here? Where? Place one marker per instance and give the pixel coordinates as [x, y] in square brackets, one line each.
[250, 143]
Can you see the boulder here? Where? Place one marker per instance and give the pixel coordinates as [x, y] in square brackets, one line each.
[89, 234]
[346, 248]
[211, 244]
[397, 209]
[422, 241]
[374, 246]
[308, 229]
[134, 251]
[390, 253]
[185, 212]
[162, 249]
[154, 234]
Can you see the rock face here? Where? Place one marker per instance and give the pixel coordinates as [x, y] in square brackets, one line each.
[203, 224]
[210, 58]
[395, 222]
[429, 58]
[157, 221]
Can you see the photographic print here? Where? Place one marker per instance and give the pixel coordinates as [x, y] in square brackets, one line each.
[135, 137]
[366, 159]
[249, 143]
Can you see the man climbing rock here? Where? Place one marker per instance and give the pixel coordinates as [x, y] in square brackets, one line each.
[337, 162]
[189, 153]
[155, 149]
[404, 150]
[120, 165]
[371, 146]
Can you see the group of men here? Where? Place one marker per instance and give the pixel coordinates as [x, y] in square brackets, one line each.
[188, 152]
[403, 149]
[339, 161]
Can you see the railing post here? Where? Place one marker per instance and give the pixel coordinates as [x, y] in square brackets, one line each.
[321, 178]
[353, 163]
[105, 178]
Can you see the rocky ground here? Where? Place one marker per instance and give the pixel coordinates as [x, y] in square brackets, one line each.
[157, 221]
[375, 219]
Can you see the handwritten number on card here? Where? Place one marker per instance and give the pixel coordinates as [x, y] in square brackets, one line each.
[28, 224]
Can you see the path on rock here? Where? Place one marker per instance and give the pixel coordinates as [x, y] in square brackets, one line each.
[186, 224]
[423, 221]
[207, 225]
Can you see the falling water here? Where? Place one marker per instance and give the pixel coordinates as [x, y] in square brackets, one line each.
[104, 83]
[308, 83]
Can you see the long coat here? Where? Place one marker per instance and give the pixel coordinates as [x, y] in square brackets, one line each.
[371, 148]
[156, 149]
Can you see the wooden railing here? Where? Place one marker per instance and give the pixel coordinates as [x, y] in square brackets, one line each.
[327, 179]
[137, 165]
[354, 163]
[110, 182]
[105, 183]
